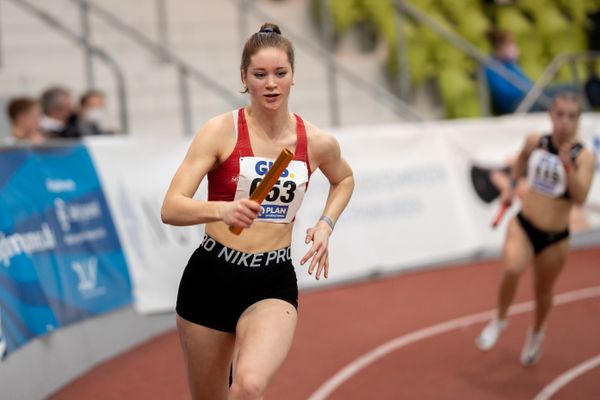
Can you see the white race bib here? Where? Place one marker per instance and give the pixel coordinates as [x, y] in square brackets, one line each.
[546, 173]
[284, 200]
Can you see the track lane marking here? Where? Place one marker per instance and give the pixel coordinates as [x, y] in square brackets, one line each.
[567, 377]
[330, 385]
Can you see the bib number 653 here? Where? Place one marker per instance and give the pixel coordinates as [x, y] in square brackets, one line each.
[288, 187]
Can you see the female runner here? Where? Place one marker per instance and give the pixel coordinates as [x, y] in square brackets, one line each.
[559, 172]
[238, 295]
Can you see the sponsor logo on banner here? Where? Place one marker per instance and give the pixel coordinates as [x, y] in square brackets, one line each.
[87, 273]
[60, 255]
[26, 243]
[60, 185]
[67, 214]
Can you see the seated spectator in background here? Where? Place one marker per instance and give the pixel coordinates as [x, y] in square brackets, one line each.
[90, 117]
[57, 105]
[25, 115]
[592, 87]
[505, 96]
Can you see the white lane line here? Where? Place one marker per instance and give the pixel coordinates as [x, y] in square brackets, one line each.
[368, 358]
[566, 378]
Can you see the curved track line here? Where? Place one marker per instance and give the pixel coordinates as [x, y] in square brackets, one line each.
[566, 378]
[368, 358]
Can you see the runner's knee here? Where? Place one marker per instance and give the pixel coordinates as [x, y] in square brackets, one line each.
[513, 271]
[248, 385]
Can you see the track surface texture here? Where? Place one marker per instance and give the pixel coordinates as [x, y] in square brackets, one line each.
[403, 337]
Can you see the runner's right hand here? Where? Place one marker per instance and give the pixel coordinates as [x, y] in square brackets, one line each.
[507, 195]
[241, 213]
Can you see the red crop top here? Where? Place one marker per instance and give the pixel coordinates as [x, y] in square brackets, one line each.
[222, 181]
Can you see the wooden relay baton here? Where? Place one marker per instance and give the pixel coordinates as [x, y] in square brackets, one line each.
[270, 179]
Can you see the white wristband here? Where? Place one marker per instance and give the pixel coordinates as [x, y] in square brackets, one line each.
[328, 221]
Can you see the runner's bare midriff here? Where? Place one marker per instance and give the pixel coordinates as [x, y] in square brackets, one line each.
[546, 213]
[259, 238]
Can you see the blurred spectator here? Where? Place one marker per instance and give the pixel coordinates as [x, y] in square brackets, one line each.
[25, 115]
[89, 120]
[593, 31]
[57, 105]
[505, 96]
[592, 87]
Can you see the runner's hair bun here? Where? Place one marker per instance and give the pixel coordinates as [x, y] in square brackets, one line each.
[269, 27]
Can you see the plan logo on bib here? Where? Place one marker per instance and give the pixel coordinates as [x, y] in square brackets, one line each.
[273, 211]
[87, 273]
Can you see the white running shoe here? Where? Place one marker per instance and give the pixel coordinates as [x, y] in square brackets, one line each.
[489, 335]
[532, 350]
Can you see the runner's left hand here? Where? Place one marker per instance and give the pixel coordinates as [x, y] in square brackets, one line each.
[564, 153]
[319, 251]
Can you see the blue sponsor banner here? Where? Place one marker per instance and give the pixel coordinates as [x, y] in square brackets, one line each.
[60, 256]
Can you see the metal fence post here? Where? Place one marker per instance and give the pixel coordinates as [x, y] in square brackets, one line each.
[186, 109]
[85, 35]
[162, 27]
[1, 54]
[122, 97]
[334, 107]
[484, 92]
[577, 82]
[243, 21]
[404, 71]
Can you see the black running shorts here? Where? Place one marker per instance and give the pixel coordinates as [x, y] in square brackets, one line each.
[220, 283]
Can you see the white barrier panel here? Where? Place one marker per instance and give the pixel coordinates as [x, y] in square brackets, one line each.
[405, 210]
[414, 202]
[135, 174]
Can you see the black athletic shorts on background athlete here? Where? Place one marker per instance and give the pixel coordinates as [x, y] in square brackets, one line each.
[540, 239]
